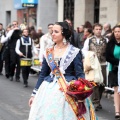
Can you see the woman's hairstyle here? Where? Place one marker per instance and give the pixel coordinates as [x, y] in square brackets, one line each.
[50, 24]
[112, 38]
[25, 29]
[117, 26]
[88, 25]
[32, 28]
[66, 31]
[89, 30]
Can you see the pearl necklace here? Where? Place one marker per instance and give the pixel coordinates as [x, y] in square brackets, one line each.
[118, 41]
[60, 48]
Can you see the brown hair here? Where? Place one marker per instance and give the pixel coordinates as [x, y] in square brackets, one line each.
[25, 29]
[97, 24]
[16, 21]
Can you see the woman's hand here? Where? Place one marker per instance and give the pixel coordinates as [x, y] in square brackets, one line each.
[21, 54]
[31, 101]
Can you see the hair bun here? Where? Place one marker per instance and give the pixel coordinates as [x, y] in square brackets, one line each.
[66, 31]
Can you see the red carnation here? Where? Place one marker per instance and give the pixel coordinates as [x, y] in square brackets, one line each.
[80, 89]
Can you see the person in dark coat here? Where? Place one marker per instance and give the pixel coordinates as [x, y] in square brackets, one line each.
[12, 37]
[6, 53]
[2, 33]
[113, 57]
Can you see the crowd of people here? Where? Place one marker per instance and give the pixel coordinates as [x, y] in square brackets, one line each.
[18, 42]
[82, 53]
[106, 45]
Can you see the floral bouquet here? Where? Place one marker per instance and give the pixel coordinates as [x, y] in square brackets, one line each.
[80, 89]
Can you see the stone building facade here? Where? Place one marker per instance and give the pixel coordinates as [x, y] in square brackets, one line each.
[50, 11]
[45, 12]
[102, 11]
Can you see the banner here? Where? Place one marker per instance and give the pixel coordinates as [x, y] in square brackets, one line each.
[18, 4]
[30, 1]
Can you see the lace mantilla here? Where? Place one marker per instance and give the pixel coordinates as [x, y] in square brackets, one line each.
[68, 57]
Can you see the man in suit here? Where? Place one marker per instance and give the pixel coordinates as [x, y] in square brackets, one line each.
[2, 32]
[97, 43]
[12, 37]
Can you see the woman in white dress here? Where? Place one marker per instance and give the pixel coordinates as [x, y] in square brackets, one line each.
[48, 102]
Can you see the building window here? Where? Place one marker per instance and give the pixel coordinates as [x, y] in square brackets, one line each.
[8, 17]
[96, 10]
[69, 10]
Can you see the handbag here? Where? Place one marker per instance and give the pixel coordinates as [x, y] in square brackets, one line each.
[92, 68]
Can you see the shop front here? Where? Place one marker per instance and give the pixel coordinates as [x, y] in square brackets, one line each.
[26, 11]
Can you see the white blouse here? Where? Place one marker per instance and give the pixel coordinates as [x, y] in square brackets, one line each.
[45, 42]
[17, 49]
[8, 36]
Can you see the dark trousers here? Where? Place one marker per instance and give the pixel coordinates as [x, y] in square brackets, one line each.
[1, 62]
[7, 62]
[14, 63]
[99, 89]
[25, 73]
[95, 97]
[97, 94]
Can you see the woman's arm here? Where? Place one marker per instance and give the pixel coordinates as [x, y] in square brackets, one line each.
[78, 66]
[45, 71]
[5, 39]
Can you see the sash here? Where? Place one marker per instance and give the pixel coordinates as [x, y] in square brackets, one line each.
[61, 81]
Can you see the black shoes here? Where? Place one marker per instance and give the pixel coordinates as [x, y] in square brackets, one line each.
[7, 76]
[98, 107]
[1, 73]
[25, 85]
[117, 116]
[17, 80]
[11, 78]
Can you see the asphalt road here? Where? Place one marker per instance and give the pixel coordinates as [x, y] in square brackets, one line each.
[14, 101]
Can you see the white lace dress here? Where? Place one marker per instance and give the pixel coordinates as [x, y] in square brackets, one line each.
[50, 103]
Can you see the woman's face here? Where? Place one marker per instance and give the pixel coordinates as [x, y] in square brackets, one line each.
[25, 32]
[8, 29]
[57, 34]
[86, 33]
[117, 33]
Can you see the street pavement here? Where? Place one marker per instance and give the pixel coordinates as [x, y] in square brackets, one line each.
[14, 100]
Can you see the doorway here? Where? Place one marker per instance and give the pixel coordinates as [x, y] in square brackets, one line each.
[8, 17]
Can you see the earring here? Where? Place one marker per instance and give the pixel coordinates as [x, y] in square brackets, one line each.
[64, 41]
